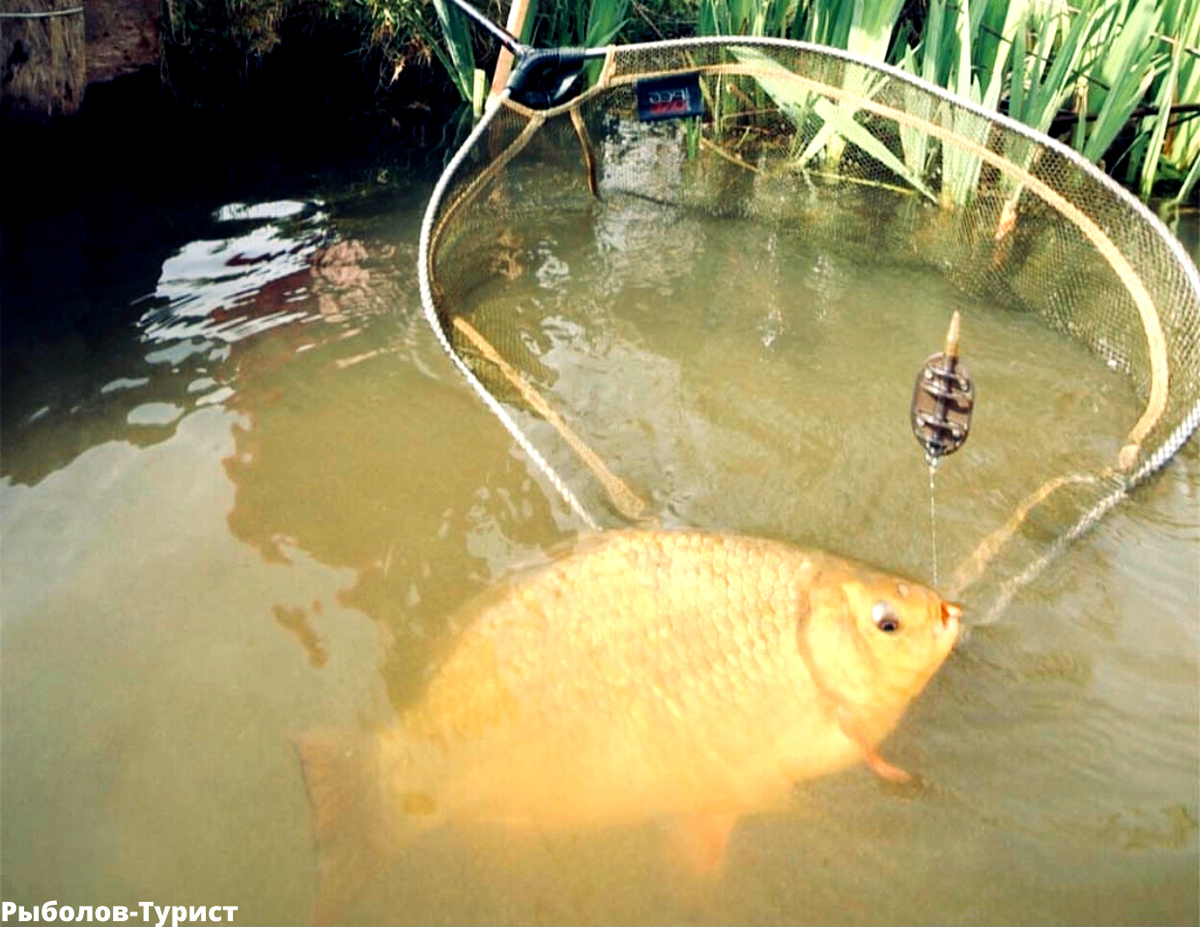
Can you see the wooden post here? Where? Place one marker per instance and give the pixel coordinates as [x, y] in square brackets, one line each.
[517, 14]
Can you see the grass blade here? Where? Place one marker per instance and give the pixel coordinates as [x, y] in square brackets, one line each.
[793, 102]
[1127, 66]
[1159, 122]
[457, 55]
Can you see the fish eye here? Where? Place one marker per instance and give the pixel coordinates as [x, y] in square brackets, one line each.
[885, 618]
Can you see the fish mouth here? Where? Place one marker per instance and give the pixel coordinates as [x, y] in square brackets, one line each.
[950, 613]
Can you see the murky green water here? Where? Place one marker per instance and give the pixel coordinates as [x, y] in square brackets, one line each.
[745, 376]
[243, 494]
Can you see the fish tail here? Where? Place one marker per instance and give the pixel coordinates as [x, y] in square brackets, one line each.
[357, 833]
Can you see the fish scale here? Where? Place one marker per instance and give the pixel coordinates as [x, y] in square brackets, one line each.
[649, 674]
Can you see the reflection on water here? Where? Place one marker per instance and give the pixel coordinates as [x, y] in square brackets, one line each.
[244, 495]
[240, 284]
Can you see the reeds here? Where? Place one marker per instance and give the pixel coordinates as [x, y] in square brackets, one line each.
[457, 51]
[43, 61]
[582, 23]
[1106, 76]
[1174, 146]
[579, 23]
[1117, 79]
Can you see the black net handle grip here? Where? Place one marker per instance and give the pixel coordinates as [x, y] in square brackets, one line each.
[541, 78]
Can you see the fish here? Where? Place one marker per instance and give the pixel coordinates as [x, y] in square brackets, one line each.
[673, 675]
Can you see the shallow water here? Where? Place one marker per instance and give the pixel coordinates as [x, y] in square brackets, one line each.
[744, 376]
[243, 494]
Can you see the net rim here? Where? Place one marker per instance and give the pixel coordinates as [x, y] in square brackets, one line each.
[1175, 440]
[1007, 122]
[429, 307]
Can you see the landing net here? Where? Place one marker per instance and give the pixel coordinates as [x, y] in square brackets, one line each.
[915, 175]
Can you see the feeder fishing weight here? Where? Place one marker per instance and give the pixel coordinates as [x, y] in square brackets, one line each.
[943, 398]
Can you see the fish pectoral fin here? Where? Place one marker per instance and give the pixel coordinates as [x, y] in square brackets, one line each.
[356, 833]
[699, 841]
[851, 728]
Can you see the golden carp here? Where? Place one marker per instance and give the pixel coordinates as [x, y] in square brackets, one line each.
[648, 674]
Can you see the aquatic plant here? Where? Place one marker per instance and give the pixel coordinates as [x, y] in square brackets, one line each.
[965, 48]
[1174, 138]
[457, 53]
[1106, 75]
[1123, 65]
[213, 51]
[44, 73]
[865, 29]
[586, 23]
[1117, 79]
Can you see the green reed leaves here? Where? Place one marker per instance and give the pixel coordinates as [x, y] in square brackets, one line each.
[1117, 79]
[584, 23]
[457, 53]
[1126, 62]
[1103, 75]
[1178, 153]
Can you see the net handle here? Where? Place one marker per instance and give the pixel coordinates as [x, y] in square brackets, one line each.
[542, 75]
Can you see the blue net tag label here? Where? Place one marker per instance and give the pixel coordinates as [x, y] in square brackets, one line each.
[673, 97]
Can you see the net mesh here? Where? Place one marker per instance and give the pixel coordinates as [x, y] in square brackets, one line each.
[801, 137]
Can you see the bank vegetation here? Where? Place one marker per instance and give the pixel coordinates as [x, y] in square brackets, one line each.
[1119, 80]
